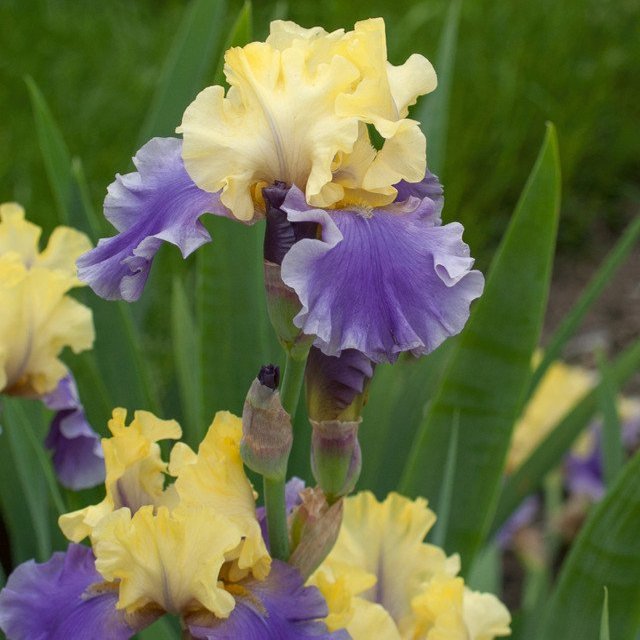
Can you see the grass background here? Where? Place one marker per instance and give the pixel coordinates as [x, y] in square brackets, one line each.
[519, 64]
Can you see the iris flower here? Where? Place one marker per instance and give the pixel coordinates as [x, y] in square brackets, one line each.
[381, 580]
[559, 390]
[38, 320]
[379, 272]
[192, 548]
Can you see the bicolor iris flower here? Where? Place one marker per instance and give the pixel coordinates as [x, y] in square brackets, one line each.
[180, 538]
[381, 580]
[38, 320]
[375, 269]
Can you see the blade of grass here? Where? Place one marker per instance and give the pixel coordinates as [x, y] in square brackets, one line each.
[57, 160]
[595, 287]
[528, 477]
[43, 461]
[28, 476]
[191, 55]
[96, 224]
[434, 110]
[446, 490]
[604, 620]
[612, 447]
[94, 395]
[239, 35]
[398, 398]
[605, 553]
[185, 345]
[489, 371]
[16, 517]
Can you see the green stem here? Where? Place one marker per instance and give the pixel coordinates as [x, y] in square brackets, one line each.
[292, 385]
[276, 517]
[274, 488]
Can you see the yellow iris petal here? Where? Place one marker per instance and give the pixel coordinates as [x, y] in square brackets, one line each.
[18, 235]
[438, 611]
[168, 559]
[277, 122]
[38, 319]
[216, 479]
[135, 471]
[485, 616]
[392, 549]
[293, 114]
[559, 390]
[381, 580]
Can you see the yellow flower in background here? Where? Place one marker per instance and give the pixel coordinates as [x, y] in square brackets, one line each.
[381, 580]
[38, 319]
[559, 390]
[295, 113]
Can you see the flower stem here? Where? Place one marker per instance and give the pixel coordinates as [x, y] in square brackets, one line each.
[274, 488]
[292, 384]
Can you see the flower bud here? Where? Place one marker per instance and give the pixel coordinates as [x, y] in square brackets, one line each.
[282, 301]
[267, 435]
[314, 527]
[336, 387]
[336, 459]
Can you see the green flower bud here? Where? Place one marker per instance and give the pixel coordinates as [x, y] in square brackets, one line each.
[267, 435]
[314, 527]
[336, 459]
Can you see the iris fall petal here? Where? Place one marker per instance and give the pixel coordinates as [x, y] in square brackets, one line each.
[77, 452]
[59, 599]
[278, 608]
[381, 281]
[157, 203]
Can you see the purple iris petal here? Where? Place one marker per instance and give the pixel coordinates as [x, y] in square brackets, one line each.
[291, 498]
[54, 601]
[159, 202]
[381, 281]
[429, 187]
[584, 475]
[77, 452]
[522, 517]
[278, 608]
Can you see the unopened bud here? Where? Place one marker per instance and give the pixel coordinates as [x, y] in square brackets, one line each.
[269, 376]
[337, 387]
[336, 459]
[282, 301]
[267, 435]
[315, 525]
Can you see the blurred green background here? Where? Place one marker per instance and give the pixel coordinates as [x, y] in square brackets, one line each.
[519, 63]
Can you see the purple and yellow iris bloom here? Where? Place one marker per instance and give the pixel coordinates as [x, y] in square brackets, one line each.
[192, 548]
[38, 320]
[379, 273]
